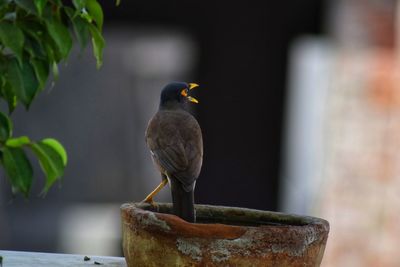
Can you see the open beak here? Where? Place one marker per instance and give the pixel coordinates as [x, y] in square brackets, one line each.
[188, 97]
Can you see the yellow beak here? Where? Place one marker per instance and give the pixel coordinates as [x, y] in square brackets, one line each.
[192, 99]
[193, 85]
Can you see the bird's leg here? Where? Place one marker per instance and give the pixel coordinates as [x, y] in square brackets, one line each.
[149, 198]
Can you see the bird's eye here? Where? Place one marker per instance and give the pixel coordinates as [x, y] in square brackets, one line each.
[184, 92]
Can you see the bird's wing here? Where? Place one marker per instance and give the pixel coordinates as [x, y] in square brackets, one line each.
[173, 148]
[172, 158]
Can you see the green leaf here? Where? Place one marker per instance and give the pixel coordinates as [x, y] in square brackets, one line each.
[27, 5]
[56, 72]
[98, 45]
[117, 2]
[40, 4]
[12, 37]
[5, 8]
[23, 81]
[33, 29]
[61, 36]
[86, 16]
[9, 96]
[34, 49]
[11, 16]
[81, 28]
[3, 67]
[2, 4]
[5, 127]
[57, 2]
[57, 146]
[18, 169]
[50, 161]
[52, 59]
[18, 141]
[79, 4]
[95, 11]
[28, 47]
[41, 69]
[51, 54]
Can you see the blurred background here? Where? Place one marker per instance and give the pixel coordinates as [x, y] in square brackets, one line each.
[299, 108]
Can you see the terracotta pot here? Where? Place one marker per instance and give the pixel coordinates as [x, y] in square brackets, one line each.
[222, 236]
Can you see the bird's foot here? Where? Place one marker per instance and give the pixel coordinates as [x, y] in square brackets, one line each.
[153, 204]
[149, 198]
[150, 201]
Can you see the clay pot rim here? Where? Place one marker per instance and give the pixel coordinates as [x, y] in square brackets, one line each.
[232, 216]
[150, 234]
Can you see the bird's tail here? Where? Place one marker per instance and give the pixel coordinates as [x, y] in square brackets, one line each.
[183, 202]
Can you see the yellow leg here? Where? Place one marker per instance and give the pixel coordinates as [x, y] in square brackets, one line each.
[149, 198]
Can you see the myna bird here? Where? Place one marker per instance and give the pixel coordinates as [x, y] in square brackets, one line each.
[176, 146]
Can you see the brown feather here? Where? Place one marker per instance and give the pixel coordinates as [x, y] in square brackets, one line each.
[175, 140]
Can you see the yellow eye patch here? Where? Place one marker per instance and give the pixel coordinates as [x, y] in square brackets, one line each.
[184, 92]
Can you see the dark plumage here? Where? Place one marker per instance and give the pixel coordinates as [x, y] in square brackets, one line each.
[175, 142]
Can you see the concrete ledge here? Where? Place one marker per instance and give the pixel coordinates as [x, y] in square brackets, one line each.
[36, 259]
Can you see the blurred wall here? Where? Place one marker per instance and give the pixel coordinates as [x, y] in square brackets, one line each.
[342, 149]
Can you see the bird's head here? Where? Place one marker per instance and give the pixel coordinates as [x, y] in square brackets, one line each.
[177, 93]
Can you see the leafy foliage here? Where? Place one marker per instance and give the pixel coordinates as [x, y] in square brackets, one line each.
[35, 36]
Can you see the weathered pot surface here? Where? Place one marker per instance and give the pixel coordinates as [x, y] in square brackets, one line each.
[222, 236]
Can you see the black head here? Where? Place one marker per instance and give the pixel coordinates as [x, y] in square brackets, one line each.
[176, 93]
